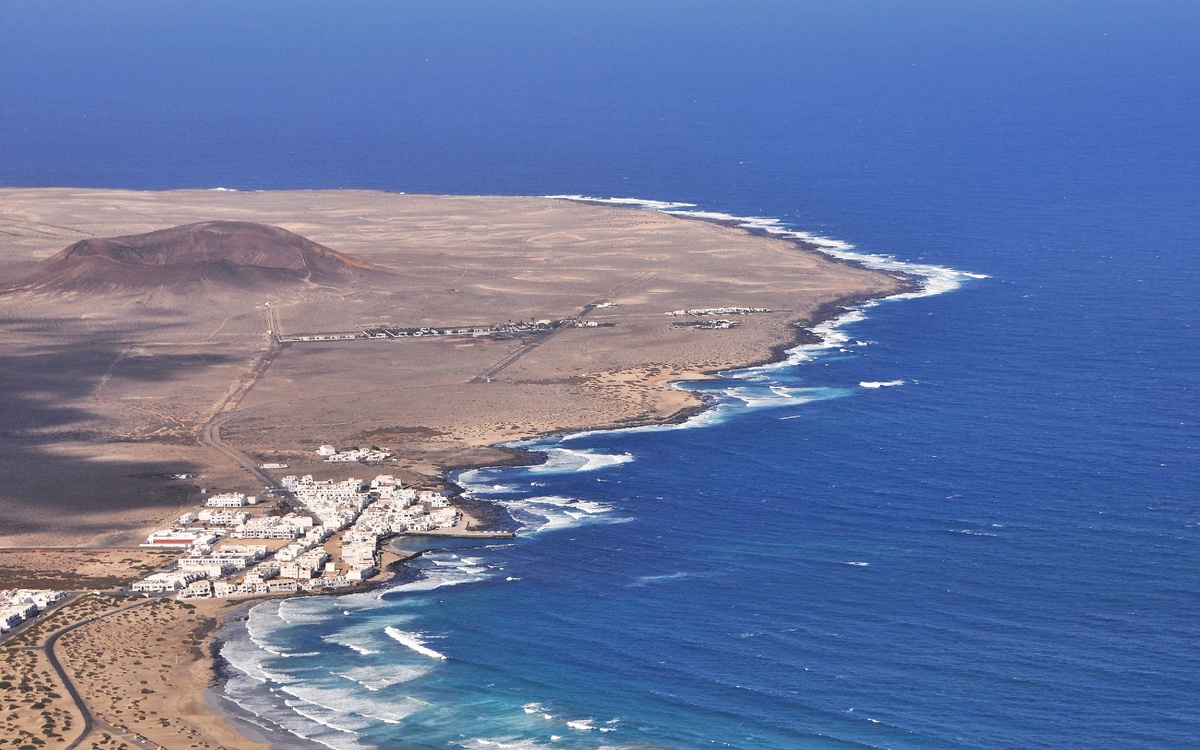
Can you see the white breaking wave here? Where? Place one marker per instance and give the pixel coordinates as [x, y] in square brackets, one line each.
[477, 480]
[938, 279]
[648, 580]
[445, 569]
[304, 610]
[553, 513]
[315, 724]
[329, 716]
[881, 383]
[413, 641]
[565, 461]
[479, 743]
[335, 709]
[757, 396]
[264, 621]
[703, 418]
[353, 645]
[251, 660]
[636, 202]
[375, 678]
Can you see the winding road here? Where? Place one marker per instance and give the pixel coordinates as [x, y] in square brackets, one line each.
[89, 721]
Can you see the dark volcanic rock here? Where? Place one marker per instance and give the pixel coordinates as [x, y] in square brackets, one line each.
[223, 253]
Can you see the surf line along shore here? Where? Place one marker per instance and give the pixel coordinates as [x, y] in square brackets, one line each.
[658, 280]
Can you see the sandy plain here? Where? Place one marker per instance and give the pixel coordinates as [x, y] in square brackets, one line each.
[102, 396]
[140, 668]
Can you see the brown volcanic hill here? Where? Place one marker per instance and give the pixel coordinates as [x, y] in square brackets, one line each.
[225, 253]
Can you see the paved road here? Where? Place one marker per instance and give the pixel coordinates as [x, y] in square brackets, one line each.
[89, 721]
[211, 435]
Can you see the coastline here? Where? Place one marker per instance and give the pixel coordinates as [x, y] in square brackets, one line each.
[802, 333]
[805, 336]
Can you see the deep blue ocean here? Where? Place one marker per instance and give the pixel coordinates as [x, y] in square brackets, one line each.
[998, 548]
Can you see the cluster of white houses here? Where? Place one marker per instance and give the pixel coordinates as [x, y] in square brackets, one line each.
[333, 455]
[18, 605]
[363, 513]
[702, 312]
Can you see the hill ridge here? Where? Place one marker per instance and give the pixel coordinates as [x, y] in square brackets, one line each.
[222, 253]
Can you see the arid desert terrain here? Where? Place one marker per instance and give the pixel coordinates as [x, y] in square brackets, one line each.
[106, 388]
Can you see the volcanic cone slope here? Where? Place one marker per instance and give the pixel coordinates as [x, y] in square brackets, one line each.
[211, 253]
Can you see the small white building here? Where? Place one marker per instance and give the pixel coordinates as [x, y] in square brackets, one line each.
[179, 538]
[159, 582]
[362, 574]
[202, 589]
[12, 615]
[223, 517]
[231, 500]
[326, 450]
[283, 586]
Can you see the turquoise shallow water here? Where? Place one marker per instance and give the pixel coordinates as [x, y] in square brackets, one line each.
[998, 550]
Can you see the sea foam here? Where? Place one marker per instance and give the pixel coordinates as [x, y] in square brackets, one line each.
[554, 513]
[565, 461]
[881, 383]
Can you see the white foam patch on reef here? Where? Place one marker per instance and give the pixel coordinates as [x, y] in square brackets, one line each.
[881, 383]
[554, 513]
[413, 641]
[664, 578]
[479, 479]
[446, 569]
[566, 461]
[767, 396]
